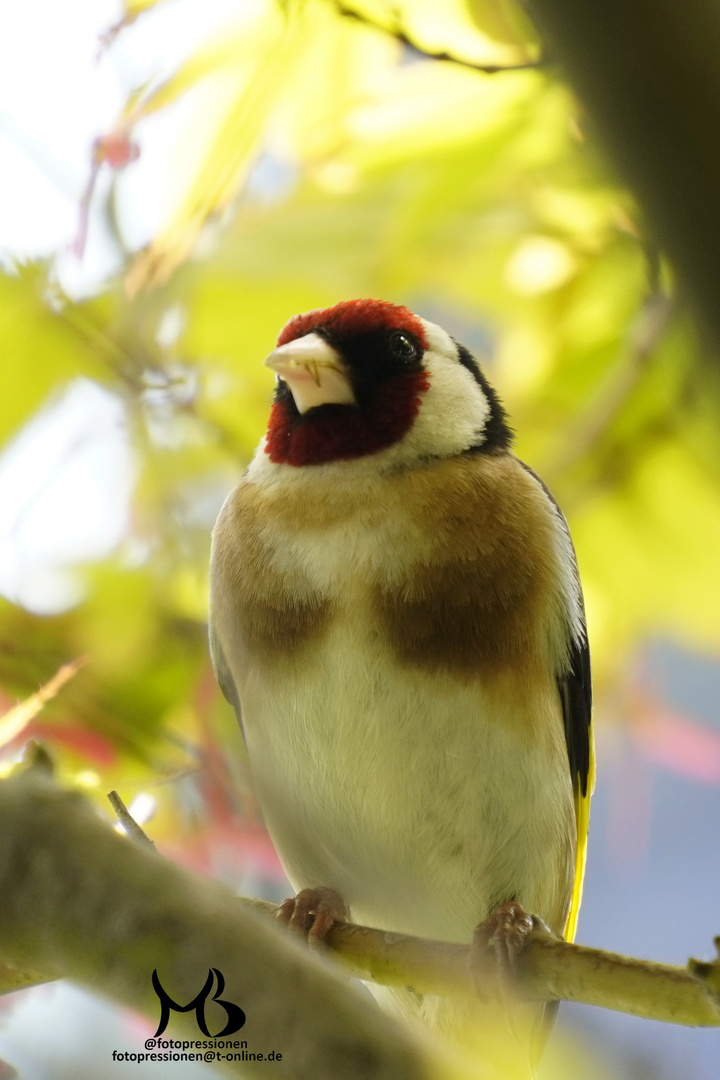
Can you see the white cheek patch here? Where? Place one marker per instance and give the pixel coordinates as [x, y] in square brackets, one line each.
[453, 410]
[452, 417]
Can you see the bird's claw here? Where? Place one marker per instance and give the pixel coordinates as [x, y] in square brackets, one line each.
[498, 944]
[312, 913]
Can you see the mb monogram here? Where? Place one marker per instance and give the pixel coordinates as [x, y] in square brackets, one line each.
[235, 1015]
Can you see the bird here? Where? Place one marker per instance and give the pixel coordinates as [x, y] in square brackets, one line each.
[397, 618]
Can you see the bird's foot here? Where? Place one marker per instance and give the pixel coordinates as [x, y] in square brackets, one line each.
[498, 944]
[312, 913]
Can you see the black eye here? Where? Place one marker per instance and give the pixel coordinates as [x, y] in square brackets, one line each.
[403, 345]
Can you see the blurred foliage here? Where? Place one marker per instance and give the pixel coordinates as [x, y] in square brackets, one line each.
[324, 158]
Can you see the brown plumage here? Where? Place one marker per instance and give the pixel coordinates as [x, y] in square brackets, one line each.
[476, 598]
[400, 628]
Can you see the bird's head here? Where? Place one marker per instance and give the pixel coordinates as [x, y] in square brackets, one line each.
[369, 377]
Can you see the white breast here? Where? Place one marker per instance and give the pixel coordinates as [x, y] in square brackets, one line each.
[415, 795]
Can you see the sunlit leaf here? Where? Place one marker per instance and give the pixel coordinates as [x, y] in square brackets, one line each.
[40, 350]
[246, 94]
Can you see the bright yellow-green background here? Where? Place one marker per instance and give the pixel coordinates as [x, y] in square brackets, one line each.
[474, 198]
[477, 199]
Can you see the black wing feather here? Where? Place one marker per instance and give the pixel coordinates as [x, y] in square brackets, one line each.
[574, 684]
[576, 696]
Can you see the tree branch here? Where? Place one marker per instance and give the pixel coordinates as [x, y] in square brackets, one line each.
[551, 970]
[81, 900]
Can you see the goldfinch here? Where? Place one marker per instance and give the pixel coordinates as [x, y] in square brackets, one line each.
[397, 618]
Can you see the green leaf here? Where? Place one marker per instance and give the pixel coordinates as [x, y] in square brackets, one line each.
[41, 352]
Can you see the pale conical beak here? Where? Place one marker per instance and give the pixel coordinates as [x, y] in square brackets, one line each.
[314, 372]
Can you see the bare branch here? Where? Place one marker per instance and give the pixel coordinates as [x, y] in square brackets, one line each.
[76, 893]
[80, 899]
[551, 970]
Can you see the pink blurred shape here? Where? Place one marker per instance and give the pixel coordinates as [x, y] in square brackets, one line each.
[680, 744]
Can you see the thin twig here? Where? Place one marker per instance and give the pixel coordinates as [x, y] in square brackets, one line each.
[128, 822]
[15, 720]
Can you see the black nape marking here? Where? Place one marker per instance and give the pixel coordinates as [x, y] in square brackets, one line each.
[498, 433]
